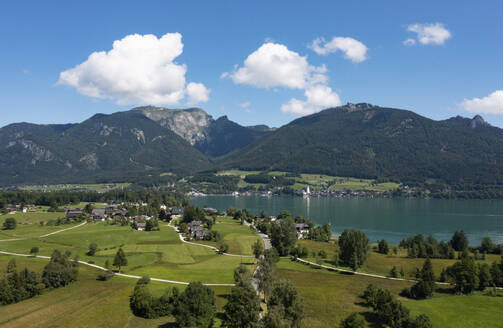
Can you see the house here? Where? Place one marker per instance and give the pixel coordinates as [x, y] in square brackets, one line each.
[73, 213]
[99, 214]
[177, 212]
[196, 229]
[302, 229]
[209, 210]
[142, 218]
[111, 208]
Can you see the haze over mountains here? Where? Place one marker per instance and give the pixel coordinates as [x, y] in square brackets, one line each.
[353, 140]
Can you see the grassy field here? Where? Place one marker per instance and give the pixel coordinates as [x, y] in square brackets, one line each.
[85, 303]
[382, 264]
[158, 254]
[317, 181]
[328, 297]
[472, 311]
[240, 238]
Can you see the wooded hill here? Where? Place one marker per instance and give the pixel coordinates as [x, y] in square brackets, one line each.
[353, 140]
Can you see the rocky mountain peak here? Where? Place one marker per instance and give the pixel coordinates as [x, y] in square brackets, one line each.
[478, 121]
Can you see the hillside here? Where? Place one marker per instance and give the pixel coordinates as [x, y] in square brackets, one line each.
[373, 142]
[104, 147]
[211, 137]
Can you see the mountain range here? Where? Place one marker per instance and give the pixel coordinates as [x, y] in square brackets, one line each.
[357, 140]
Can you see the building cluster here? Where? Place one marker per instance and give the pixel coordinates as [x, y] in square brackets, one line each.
[119, 212]
[13, 209]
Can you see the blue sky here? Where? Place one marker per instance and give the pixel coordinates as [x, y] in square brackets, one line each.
[439, 76]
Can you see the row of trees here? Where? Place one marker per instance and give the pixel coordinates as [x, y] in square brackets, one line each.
[467, 275]
[389, 311]
[55, 199]
[20, 285]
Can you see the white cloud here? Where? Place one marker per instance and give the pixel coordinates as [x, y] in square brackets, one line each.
[409, 42]
[433, 33]
[139, 69]
[352, 49]
[197, 93]
[274, 65]
[318, 97]
[492, 104]
[245, 104]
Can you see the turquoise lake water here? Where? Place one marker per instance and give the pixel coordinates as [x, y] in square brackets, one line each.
[392, 219]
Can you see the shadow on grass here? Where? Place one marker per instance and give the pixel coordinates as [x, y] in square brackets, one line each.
[445, 290]
[372, 319]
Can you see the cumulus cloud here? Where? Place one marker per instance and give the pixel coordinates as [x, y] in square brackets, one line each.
[317, 97]
[433, 33]
[139, 69]
[492, 104]
[352, 49]
[274, 65]
[197, 93]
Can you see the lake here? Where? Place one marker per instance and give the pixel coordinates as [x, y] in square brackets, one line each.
[392, 219]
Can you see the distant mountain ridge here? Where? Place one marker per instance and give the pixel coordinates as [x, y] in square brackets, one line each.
[358, 140]
[362, 140]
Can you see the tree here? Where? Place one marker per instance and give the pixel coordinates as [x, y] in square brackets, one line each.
[393, 272]
[93, 247]
[195, 306]
[242, 308]
[11, 266]
[258, 248]
[485, 277]
[265, 276]
[34, 250]
[354, 320]
[383, 247]
[459, 241]
[353, 248]
[421, 321]
[9, 224]
[283, 234]
[107, 264]
[120, 259]
[242, 276]
[88, 208]
[426, 285]
[223, 248]
[60, 271]
[141, 301]
[286, 300]
[487, 246]
[497, 274]
[465, 275]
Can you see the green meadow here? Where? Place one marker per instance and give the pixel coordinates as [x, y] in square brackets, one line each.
[85, 303]
[329, 297]
[240, 238]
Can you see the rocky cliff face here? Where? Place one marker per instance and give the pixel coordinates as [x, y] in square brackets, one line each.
[190, 124]
[209, 136]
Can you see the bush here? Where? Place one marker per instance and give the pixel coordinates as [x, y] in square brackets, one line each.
[354, 320]
[9, 224]
[105, 276]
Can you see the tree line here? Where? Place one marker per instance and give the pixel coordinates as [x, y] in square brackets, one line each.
[17, 285]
